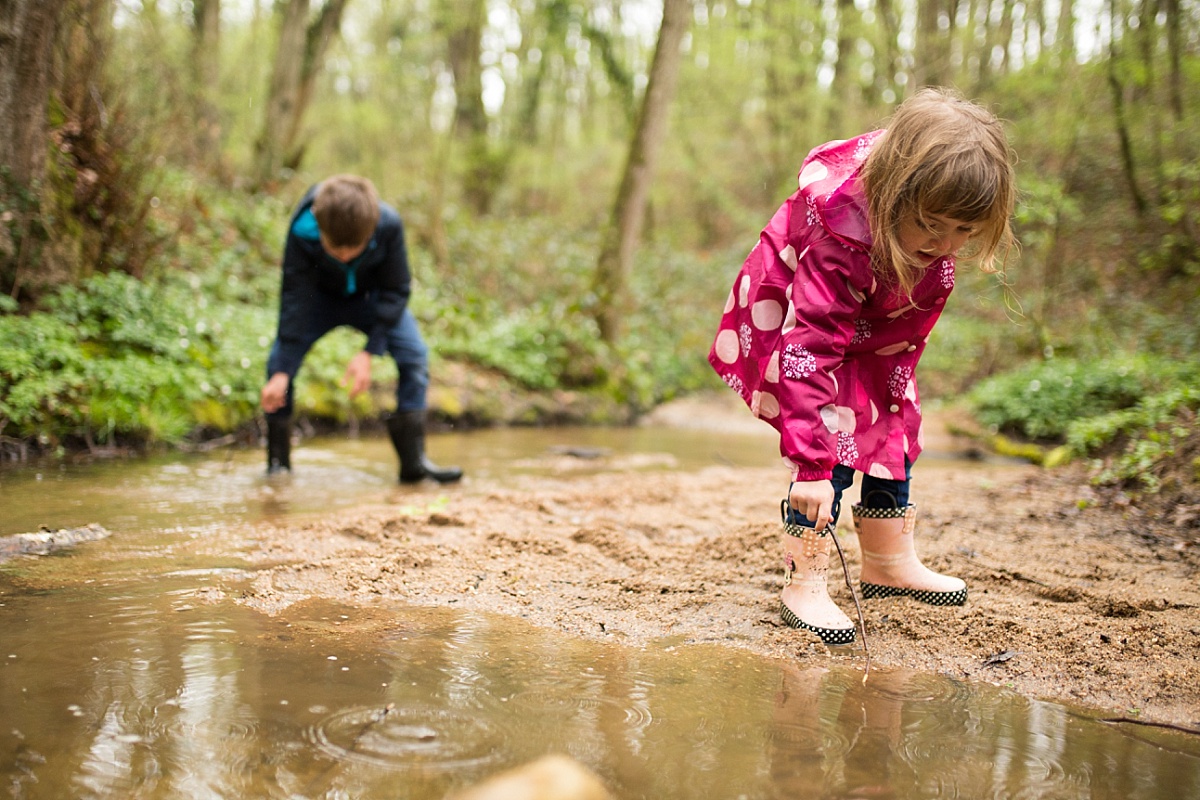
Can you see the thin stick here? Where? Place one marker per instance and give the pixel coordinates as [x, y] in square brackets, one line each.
[862, 625]
[376, 718]
[1150, 723]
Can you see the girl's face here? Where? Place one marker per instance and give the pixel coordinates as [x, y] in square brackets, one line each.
[934, 236]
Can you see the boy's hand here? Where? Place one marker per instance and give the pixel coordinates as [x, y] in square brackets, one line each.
[813, 499]
[274, 394]
[358, 373]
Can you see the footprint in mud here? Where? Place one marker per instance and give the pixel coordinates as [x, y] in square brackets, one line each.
[613, 544]
[1060, 594]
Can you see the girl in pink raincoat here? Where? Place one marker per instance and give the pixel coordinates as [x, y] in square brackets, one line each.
[829, 316]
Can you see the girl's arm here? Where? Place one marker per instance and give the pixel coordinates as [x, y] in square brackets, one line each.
[827, 301]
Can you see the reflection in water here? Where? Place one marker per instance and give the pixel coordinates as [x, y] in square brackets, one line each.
[130, 690]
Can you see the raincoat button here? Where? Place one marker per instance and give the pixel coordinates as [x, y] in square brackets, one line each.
[894, 408]
[912, 347]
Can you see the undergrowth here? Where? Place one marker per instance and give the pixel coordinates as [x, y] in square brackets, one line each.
[179, 355]
[1132, 415]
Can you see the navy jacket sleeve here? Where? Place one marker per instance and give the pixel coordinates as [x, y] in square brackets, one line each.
[297, 296]
[394, 282]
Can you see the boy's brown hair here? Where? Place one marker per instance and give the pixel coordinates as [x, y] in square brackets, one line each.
[347, 210]
[940, 154]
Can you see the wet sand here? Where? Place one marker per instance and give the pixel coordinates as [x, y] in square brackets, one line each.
[1070, 599]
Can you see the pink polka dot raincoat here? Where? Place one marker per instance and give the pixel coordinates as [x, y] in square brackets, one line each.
[814, 343]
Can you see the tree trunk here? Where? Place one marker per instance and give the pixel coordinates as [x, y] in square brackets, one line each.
[1065, 35]
[623, 231]
[789, 83]
[301, 54]
[484, 166]
[841, 86]
[28, 31]
[556, 14]
[1006, 36]
[1035, 12]
[283, 94]
[1128, 162]
[206, 49]
[889, 32]
[463, 23]
[1174, 58]
[965, 40]
[933, 46]
[316, 44]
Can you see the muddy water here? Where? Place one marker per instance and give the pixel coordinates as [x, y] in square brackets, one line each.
[119, 677]
[227, 487]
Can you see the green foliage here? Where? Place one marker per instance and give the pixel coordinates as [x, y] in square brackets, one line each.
[115, 358]
[182, 355]
[319, 390]
[43, 376]
[1177, 254]
[1134, 411]
[963, 349]
[23, 231]
[1040, 400]
[513, 295]
[1044, 205]
[120, 359]
[516, 298]
[1140, 438]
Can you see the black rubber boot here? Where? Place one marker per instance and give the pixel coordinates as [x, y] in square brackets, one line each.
[279, 445]
[407, 430]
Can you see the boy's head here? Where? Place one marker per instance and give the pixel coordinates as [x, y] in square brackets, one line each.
[347, 210]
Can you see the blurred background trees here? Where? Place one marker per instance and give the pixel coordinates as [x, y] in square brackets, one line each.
[518, 107]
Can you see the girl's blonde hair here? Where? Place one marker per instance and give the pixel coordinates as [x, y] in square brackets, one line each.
[944, 155]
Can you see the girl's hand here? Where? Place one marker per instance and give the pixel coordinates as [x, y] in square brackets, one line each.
[813, 499]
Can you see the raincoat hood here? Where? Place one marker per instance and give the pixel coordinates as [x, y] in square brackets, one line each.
[831, 184]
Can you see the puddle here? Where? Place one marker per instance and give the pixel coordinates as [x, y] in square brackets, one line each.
[123, 672]
[132, 689]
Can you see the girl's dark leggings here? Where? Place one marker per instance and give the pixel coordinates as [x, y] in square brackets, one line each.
[876, 493]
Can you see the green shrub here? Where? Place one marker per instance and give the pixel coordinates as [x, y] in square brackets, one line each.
[116, 358]
[1138, 439]
[516, 298]
[43, 377]
[1040, 400]
[182, 354]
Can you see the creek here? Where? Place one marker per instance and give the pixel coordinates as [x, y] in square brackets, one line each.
[121, 677]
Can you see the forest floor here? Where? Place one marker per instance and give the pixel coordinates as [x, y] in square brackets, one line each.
[1072, 597]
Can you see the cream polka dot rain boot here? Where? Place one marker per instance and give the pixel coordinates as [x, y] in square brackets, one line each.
[890, 567]
[805, 598]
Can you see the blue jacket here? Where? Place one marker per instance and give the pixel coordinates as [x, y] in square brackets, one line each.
[312, 277]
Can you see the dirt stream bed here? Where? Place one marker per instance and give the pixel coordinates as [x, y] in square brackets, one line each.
[1070, 598]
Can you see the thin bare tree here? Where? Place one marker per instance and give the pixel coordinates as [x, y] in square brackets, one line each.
[303, 43]
[206, 51]
[621, 235]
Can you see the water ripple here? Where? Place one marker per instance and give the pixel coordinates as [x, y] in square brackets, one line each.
[541, 702]
[429, 738]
